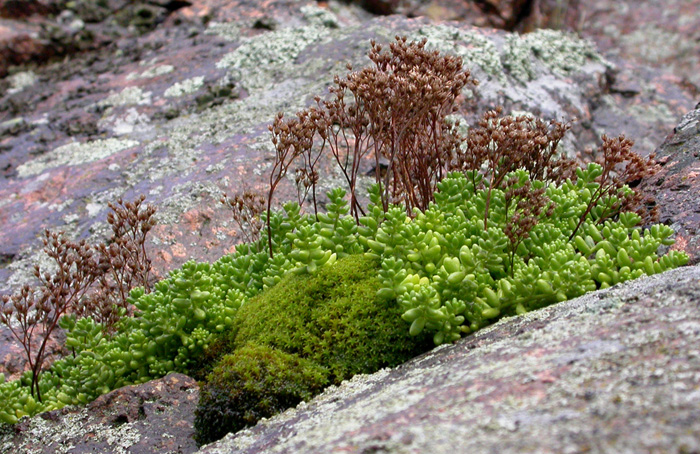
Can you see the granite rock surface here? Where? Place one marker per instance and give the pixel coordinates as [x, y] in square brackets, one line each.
[153, 418]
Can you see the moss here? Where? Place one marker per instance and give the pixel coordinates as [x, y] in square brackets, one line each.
[332, 318]
[252, 383]
[293, 339]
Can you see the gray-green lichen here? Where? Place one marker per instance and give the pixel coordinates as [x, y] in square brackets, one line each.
[560, 52]
[272, 48]
[474, 48]
[519, 55]
[43, 433]
[315, 15]
[128, 96]
[74, 154]
[21, 80]
[185, 87]
[128, 123]
[258, 59]
[230, 31]
[159, 70]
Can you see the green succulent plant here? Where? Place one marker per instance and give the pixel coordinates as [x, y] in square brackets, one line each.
[451, 275]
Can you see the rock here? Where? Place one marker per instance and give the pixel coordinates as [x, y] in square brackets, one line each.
[155, 417]
[503, 14]
[123, 115]
[16, 9]
[616, 370]
[632, 32]
[19, 44]
[667, 77]
[677, 186]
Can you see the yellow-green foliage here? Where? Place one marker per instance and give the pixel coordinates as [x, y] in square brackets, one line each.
[332, 317]
[323, 328]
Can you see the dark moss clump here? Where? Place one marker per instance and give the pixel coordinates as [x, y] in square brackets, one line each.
[252, 383]
[313, 330]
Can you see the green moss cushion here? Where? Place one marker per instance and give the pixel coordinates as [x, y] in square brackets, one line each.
[332, 318]
[292, 340]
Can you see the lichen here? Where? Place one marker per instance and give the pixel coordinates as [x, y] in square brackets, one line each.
[128, 96]
[560, 52]
[21, 80]
[71, 428]
[150, 73]
[230, 31]
[74, 154]
[315, 15]
[256, 57]
[474, 48]
[185, 87]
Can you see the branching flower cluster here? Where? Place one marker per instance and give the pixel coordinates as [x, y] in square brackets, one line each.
[247, 208]
[394, 112]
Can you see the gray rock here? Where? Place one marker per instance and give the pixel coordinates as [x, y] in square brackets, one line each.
[156, 417]
[616, 370]
[676, 186]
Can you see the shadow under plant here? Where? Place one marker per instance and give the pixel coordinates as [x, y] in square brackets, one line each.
[458, 232]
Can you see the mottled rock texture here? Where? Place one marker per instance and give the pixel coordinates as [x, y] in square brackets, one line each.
[613, 371]
[677, 186]
[156, 417]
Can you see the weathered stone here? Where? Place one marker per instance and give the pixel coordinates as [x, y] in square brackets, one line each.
[16, 9]
[155, 417]
[616, 370]
[654, 47]
[677, 186]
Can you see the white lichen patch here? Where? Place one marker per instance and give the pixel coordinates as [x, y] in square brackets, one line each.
[185, 87]
[315, 15]
[20, 81]
[474, 48]
[58, 436]
[150, 73]
[186, 197]
[128, 96]
[93, 209]
[130, 122]
[74, 154]
[228, 30]
[272, 48]
[560, 52]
